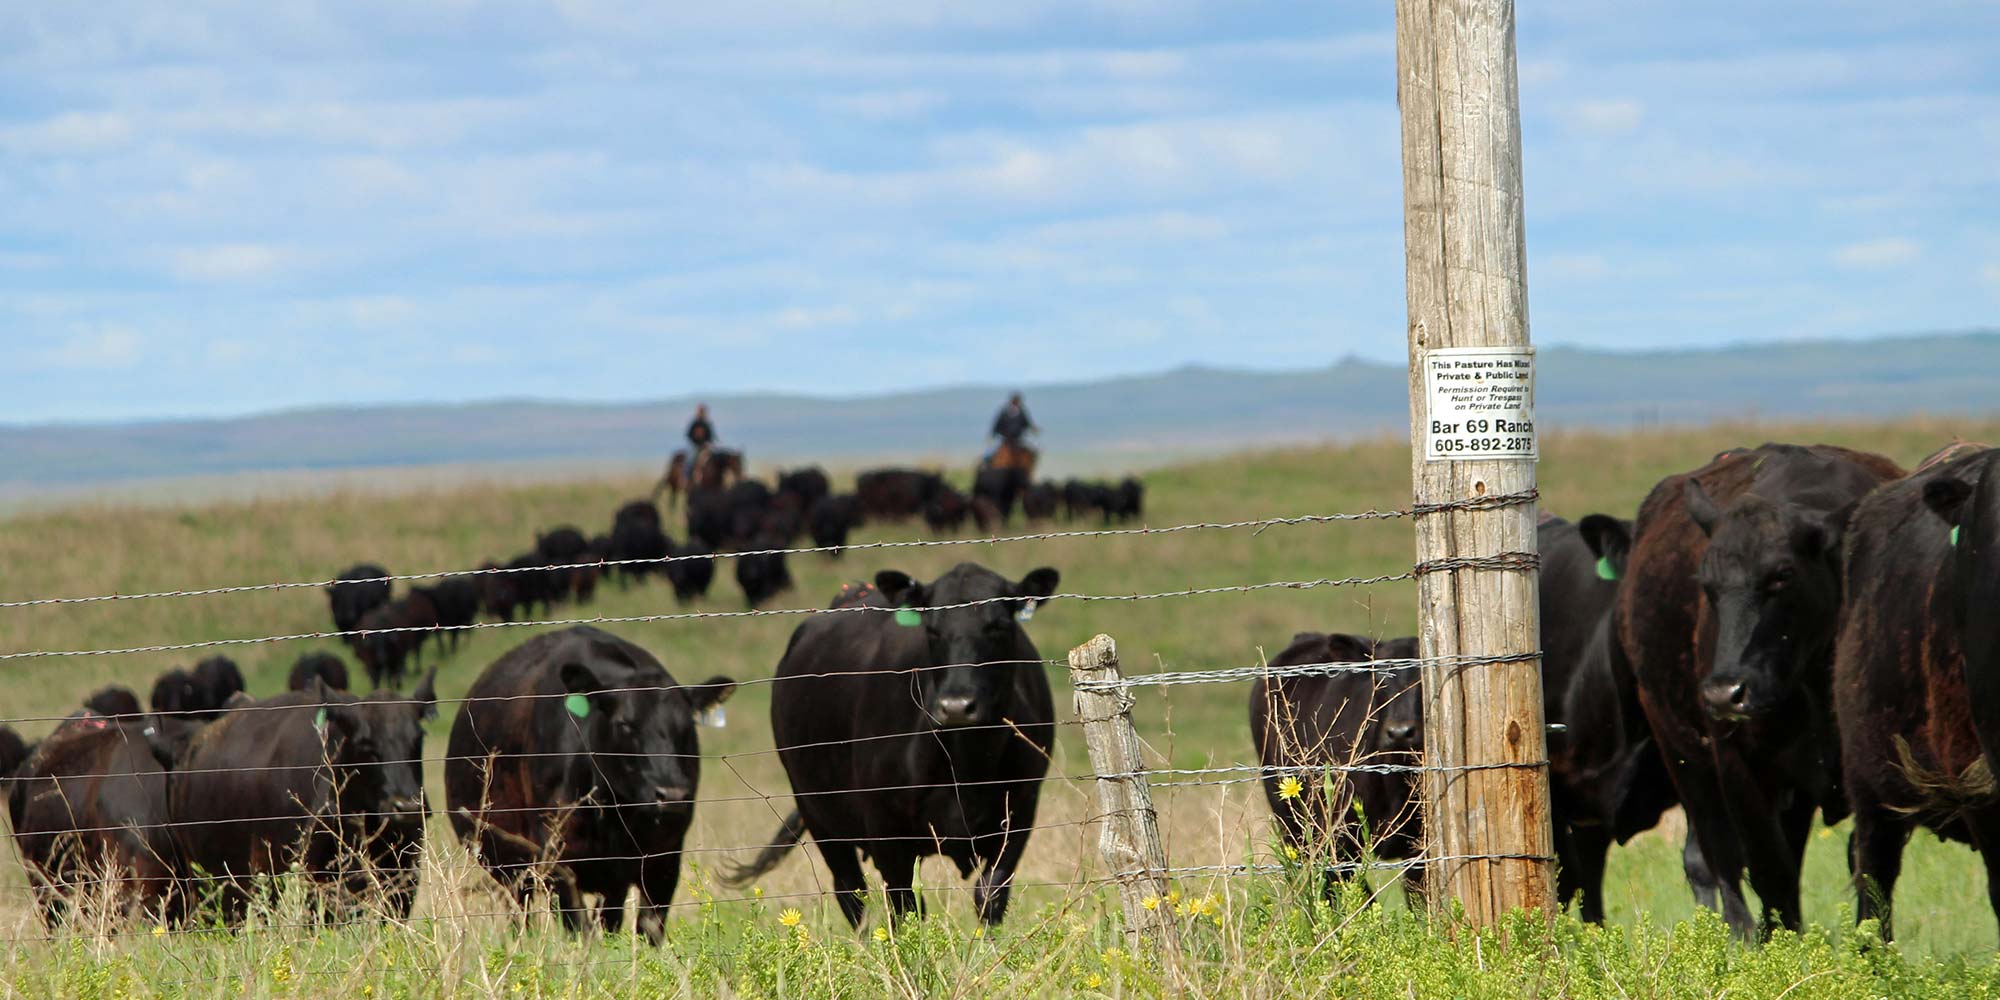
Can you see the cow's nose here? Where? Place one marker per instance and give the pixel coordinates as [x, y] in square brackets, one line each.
[1726, 698]
[406, 806]
[669, 795]
[956, 708]
[1401, 734]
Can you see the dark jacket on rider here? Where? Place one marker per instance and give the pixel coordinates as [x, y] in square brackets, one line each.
[1012, 422]
[700, 433]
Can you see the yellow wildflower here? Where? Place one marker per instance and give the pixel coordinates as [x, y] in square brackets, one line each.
[1150, 902]
[1093, 982]
[1218, 920]
[1291, 852]
[791, 917]
[978, 932]
[757, 891]
[158, 930]
[1290, 787]
[1206, 907]
[881, 933]
[1174, 896]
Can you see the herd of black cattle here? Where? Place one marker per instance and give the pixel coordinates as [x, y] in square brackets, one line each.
[1785, 633]
[573, 763]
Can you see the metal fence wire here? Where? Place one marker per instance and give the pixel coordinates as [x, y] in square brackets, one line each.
[126, 874]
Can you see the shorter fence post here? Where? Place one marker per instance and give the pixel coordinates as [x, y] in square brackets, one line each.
[1130, 840]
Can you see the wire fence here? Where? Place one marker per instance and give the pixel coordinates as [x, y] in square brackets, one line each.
[579, 791]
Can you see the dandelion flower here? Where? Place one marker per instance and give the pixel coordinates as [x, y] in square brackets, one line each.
[1174, 896]
[978, 932]
[1150, 902]
[1290, 787]
[881, 933]
[791, 917]
[1218, 920]
[1291, 852]
[158, 930]
[1093, 982]
[1206, 907]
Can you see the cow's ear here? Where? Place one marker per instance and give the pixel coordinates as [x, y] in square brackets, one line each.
[898, 589]
[711, 692]
[1946, 496]
[1342, 648]
[578, 678]
[1610, 540]
[424, 698]
[1701, 507]
[1039, 583]
[342, 723]
[1822, 536]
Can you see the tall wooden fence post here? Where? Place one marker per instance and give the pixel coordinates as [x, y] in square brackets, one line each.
[1130, 837]
[1472, 435]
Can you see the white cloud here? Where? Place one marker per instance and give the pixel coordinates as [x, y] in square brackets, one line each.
[1605, 117]
[68, 134]
[1886, 252]
[1990, 274]
[224, 261]
[888, 105]
[106, 346]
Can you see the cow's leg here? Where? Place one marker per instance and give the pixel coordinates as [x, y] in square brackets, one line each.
[898, 866]
[996, 882]
[612, 913]
[1875, 856]
[1580, 854]
[658, 878]
[1763, 834]
[850, 887]
[1713, 845]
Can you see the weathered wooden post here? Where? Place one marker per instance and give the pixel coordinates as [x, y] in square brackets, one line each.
[1472, 436]
[1130, 837]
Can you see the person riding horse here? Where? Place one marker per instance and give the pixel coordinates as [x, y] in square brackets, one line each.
[1010, 426]
[701, 437]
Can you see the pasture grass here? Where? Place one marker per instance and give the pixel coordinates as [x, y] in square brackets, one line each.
[1061, 938]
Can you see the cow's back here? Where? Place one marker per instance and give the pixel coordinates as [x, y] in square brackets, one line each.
[505, 755]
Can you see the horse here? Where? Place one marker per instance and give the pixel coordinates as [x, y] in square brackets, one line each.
[722, 467]
[1014, 455]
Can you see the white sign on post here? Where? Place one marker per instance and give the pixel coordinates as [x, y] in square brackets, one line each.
[1482, 403]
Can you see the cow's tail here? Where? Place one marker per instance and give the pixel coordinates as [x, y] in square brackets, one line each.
[788, 836]
[1943, 793]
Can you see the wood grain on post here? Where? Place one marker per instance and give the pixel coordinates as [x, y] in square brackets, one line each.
[1467, 279]
[1130, 837]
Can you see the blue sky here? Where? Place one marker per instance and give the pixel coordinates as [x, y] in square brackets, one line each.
[215, 208]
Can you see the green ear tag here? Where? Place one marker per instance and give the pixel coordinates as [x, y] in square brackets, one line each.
[319, 719]
[909, 617]
[1606, 571]
[1954, 536]
[578, 705]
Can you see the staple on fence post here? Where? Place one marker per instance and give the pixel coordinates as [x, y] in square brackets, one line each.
[1130, 837]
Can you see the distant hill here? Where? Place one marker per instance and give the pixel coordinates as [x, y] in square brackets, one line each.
[1185, 410]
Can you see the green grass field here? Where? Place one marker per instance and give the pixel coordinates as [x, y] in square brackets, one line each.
[1246, 937]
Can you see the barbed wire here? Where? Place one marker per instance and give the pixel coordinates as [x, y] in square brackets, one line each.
[1321, 669]
[1354, 581]
[1493, 502]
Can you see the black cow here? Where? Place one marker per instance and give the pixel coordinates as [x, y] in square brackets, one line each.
[217, 677]
[946, 513]
[113, 701]
[762, 572]
[317, 778]
[1125, 502]
[1606, 780]
[393, 636]
[1081, 499]
[1913, 732]
[831, 519]
[1040, 501]
[1309, 726]
[90, 805]
[534, 583]
[175, 693]
[895, 494]
[457, 599]
[808, 484]
[636, 534]
[692, 571]
[709, 516]
[574, 762]
[1001, 487]
[323, 667]
[1727, 615]
[562, 546]
[13, 750]
[499, 593]
[358, 590]
[903, 741]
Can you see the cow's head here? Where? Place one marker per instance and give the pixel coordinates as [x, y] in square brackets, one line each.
[176, 693]
[636, 724]
[1610, 540]
[1399, 717]
[1771, 577]
[376, 747]
[1968, 504]
[970, 646]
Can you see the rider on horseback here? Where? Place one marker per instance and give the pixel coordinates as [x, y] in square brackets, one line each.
[1010, 425]
[701, 437]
